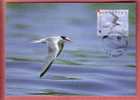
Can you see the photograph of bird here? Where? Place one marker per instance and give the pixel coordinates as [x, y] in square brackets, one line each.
[55, 47]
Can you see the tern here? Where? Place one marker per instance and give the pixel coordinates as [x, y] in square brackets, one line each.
[112, 22]
[55, 47]
[115, 19]
[112, 25]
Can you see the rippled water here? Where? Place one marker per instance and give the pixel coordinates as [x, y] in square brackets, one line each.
[83, 68]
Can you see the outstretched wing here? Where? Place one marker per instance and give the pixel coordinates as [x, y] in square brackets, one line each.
[52, 54]
[46, 68]
[60, 45]
[54, 50]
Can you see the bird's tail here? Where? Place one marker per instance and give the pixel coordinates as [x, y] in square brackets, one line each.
[46, 69]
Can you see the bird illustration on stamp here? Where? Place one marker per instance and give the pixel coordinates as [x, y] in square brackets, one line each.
[112, 28]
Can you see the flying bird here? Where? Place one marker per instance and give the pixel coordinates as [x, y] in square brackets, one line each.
[55, 47]
[115, 19]
[112, 25]
[111, 22]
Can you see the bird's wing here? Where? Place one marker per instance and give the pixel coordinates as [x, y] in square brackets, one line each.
[60, 45]
[53, 51]
[47, 66]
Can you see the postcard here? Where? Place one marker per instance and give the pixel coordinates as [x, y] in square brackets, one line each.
[70, 49]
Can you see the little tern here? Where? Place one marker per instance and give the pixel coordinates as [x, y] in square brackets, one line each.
[55, 47]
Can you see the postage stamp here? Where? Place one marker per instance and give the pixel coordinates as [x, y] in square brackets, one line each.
[112, 27]
[112, 22]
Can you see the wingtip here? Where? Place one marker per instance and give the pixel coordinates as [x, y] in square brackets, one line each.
[41, 75]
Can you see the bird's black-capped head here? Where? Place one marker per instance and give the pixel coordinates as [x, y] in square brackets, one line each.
[65, 38]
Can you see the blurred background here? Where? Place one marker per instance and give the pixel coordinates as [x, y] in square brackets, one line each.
[83, 68]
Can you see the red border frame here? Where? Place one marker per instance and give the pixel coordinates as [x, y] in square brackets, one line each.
[2, 56]
[62, 1]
